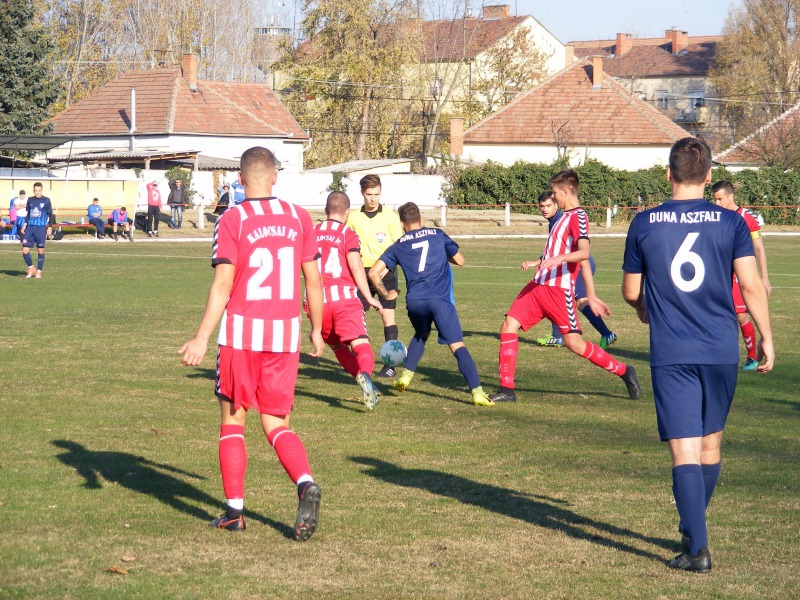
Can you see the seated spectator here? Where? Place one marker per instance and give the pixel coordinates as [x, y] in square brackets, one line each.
[18, 211]
[95, 213]
[224, 200]
[119, 217]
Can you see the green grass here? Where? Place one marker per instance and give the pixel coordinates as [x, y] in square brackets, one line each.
[109, 451]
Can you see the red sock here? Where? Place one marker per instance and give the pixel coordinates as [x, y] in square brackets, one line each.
[232, 460]
[290, 451]
[366, 360]
[509, 347]
[603, 359]
[347, 359]
[749, 335]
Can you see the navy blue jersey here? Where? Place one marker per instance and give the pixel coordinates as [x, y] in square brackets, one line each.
[39, 210]
[423, 254]
[685, 251]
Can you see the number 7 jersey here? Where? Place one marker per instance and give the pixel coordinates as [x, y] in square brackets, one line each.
[685, 250]
[267, 240]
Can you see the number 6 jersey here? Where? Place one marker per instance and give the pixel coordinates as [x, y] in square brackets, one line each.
[267, 240]
[685, 250]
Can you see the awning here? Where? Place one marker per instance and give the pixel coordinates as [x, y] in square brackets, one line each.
[32, 143]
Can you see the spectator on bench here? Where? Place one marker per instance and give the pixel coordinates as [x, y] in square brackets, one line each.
[95, 213]
[119, 217]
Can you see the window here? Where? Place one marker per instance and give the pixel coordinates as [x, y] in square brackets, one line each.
[662, 99]
[697, 99]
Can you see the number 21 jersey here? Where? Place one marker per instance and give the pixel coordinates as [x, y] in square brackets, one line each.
[685, 250]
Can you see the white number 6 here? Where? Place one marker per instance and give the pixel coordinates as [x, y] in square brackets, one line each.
[683, 256]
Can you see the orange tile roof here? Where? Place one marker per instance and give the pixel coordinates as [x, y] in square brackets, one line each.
[778, 138]
[610, 115]
[166, 105]
[455, 39]
[652, 57]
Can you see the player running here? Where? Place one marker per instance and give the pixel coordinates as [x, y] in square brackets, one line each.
[258, 251]
[550, 294]
[723, 196]
[424, 254]
[34, 230]
[343, 327]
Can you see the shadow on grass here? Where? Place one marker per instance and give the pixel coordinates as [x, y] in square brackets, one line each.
[147, 477]
[537, 510]
[12, 272]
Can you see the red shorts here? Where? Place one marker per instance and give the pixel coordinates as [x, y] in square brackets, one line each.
[264, 380]
[738, 300]
[343, 322]
[536, 302]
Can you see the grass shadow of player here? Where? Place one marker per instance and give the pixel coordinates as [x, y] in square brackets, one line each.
[160, 481]
[13, 272]
[202, 373]
[543, 511]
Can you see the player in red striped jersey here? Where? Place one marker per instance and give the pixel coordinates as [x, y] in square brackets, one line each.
[724, 196]
[259, 249]
[551, 294]
[343, 327]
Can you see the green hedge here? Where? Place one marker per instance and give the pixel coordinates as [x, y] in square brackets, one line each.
[603, 186]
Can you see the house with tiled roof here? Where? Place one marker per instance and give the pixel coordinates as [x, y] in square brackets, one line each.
[671, 73]
[149, 113]
[581, 112]
[775, 144]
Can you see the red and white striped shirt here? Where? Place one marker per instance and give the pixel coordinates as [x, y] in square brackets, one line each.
[752, 225]
[267, 240]
[335, 241]
[563, 239]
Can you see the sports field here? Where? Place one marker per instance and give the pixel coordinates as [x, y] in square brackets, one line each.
[109, 473]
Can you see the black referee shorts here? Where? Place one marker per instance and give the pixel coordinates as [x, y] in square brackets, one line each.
[390, 283]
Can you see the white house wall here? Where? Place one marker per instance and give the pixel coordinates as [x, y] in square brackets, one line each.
[619, 157]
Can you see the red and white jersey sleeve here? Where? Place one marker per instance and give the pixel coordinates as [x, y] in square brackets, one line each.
[563, 239]
[752, 222]
[335, 241]
[267, 241]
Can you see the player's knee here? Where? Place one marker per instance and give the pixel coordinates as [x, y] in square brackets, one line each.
[454, 347]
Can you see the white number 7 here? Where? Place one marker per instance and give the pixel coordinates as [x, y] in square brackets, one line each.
[424, 246]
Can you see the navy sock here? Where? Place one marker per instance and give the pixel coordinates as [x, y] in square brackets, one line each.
[390, 333]
[467, 367]
[40, 262]
[28, 259]
[416, 348]
[556, 332]
[596, 322]
[710, 477]
[689, 491]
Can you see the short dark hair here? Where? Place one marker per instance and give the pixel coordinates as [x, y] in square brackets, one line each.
[38, 184]
[22, 192]
[370, 181]
[409, 213]
[337, 203]
[548, 195]
[95, 199]
[724, 185]
[257, 159]
[123, 209]
[689, 161]
[568, 178]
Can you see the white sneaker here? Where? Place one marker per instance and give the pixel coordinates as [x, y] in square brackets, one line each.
[29, 273]
[38, 275]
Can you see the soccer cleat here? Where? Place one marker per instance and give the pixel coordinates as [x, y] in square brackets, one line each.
[387, 371]
[479, 398]
[30, 272]
[38, 274]
[699, 563]
[550, 342]
[307, 511]
[632, 383]
[130, 237]
[225, 521]
[607, 340]
[155, 233]
[371, 397]
[401, 383]
[750, 365]
[503, 395]
[149, 234]
[115, 236]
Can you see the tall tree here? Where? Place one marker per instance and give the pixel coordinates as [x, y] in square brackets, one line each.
[28, 87]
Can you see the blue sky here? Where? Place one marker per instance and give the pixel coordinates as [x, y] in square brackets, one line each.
[602, 19]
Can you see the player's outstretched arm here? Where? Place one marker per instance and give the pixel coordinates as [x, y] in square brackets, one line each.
[195, 349]
[376, 273]
[457, 259]
[761, 258]
[633, 293]
[314, 298]
[360, 277]
[755, 298]
[530, 264]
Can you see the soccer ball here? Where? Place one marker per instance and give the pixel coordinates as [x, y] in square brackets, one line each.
[393, 353]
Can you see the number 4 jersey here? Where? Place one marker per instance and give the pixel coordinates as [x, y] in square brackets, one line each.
[685, 250]
[267, 240]
[335, 241]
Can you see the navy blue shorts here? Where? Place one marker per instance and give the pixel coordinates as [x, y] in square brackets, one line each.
[423, 313]
[580, 286]
[692, 400]
[35, 236]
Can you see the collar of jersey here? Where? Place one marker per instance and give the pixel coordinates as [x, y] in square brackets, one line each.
[371, 213]
[260, 199]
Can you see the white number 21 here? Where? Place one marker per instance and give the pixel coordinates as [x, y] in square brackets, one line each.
[262, 259]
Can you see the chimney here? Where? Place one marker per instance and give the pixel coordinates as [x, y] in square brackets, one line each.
[456, 136]
[133, 111]
[189, 70]
[624, 43]
[569, 55]
[678, 40]
[597, 71]
[496, 11]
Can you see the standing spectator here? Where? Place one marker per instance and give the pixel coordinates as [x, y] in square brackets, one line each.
[153, 209]
[17, 212]
[238, 193]
[119, 218]
[95, 213]
[224, 200]
[677, 275]
[259, 333]
[34, 229]
[177, 196]
[378, 228]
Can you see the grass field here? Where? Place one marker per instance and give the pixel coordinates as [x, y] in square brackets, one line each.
[109, 453]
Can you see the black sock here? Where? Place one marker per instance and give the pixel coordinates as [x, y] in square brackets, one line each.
[390, 333]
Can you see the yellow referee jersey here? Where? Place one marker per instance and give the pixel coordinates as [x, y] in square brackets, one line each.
[377, 231]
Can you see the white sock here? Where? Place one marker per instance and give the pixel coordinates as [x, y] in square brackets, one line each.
[236, 503]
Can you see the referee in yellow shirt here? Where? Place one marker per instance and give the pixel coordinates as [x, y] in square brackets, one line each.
[378, 228]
